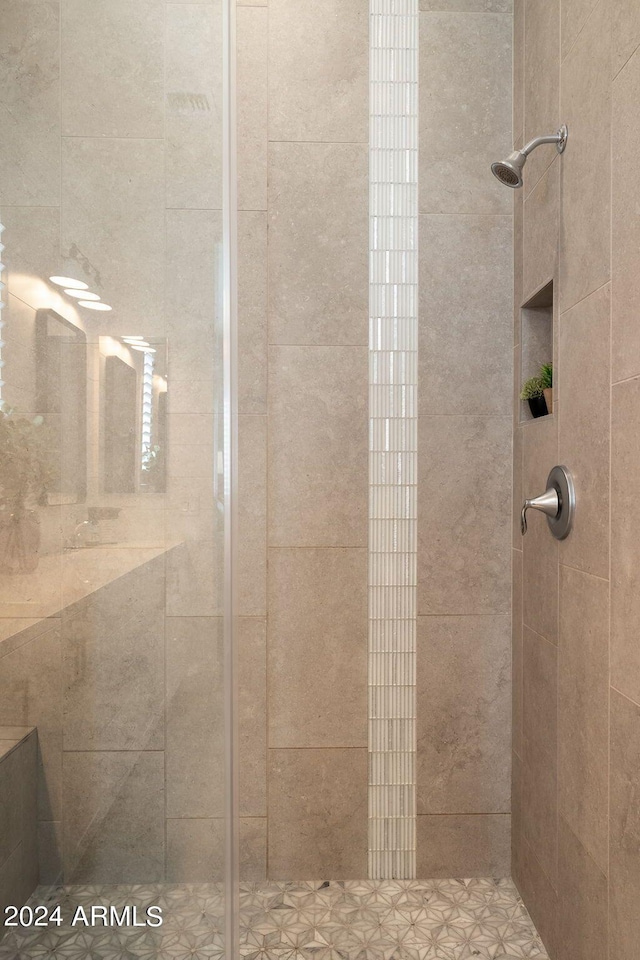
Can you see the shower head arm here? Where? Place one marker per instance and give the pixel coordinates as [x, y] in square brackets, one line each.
[559, 138]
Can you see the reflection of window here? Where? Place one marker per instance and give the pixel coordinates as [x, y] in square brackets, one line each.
[147, 410]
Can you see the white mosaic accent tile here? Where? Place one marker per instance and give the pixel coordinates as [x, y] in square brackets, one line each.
[393, 385]
[310, 920]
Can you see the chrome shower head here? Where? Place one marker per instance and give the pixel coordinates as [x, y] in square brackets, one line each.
[509, 171]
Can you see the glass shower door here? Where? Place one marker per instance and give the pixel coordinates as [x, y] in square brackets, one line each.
[114, 478]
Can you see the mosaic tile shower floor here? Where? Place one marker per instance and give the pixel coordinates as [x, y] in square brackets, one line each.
[311, 920]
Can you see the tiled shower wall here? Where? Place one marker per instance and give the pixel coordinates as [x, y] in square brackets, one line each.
[576, 609]
[303, 182]
[464, 440]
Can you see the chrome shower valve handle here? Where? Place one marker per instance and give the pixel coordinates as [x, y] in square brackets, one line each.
[557, 503]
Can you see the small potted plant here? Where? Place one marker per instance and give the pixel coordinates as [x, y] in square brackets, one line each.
[533, 393]
[546, 375]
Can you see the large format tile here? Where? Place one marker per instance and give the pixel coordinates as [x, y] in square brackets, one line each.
[626, 32]
[31, 694]
[113, 663]
[318, 70]
[541, 225]
[318, 813]
[624, 862]
[468, 6]
[252, 517]
[573, 16]
[583, 428]
[114, 817]
[459, 846]
[541, 82]
[540, 800]
[625, 157]
[318, 446]
[318, 230]
[583, 710]
[193, 104]
[625, 546]
[538, 894]
[463, 729]
[518, 71]
[195, 851]
[317, 648]
[252, 716]
[32, 253]
[465, 328]
[466, 125]
[464, 524]
[195, 717]
[539, 549]
[585, 231]
[583, 902]
[112, 205]
[30, 109]
[252, 312]
[112, 68]
[516, 653]
[195, 579]
[252, 107]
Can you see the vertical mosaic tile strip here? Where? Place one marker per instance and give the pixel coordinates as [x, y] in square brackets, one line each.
[393, 383]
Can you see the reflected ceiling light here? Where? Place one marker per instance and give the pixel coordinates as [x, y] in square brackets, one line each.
[69, 282]
[82, 294]
[133, 339]
[94, 305]
[142, 348]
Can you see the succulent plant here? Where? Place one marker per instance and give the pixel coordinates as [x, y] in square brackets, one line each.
[532, 388]
[546, 375]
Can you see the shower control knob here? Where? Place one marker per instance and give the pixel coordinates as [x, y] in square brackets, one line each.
[558, 502]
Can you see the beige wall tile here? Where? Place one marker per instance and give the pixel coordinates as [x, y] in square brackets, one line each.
[113, 88]
[585, 230]
[252, 716]
[539, 895]
[468, 6]
[253, 849]
[113, 204]
[31, 694]
[318, 70]
[573, 16]
[539, 802]
[518, 74]
[467, 125]
[318, 446]
[453, 846]
[463, 729]
[318, 236]
[317, 648]
[108, 705]
[50, 852]
[583, 710]
[541, 231]
[195, 578]
[539, 549]
[18, 878]
[195, 851]
[541, 82]
[463, 514]
[195, 723]
[625, 156]
[583, 428]
[114, 817]
[465, 328]
[193, 104]
[32, 253]
[252, 313]
[252, 107]
[624, 863]
[583, 908]
[252, 516]
[626, 32]
[625, 546]
[30, 149]
[317, 813]
[517, 691]
[518, 496]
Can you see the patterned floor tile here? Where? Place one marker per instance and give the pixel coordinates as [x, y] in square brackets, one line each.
[479, 919]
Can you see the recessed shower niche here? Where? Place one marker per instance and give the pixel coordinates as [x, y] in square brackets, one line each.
[536, 350]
